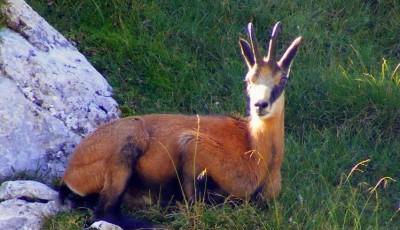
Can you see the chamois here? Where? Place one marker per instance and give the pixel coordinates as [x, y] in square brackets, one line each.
[241, 155]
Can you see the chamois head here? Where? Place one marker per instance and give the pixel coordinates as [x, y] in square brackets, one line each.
[267, 77]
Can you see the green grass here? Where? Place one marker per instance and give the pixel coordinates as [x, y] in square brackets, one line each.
[342, 105]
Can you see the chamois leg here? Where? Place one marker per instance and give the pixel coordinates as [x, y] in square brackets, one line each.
[110, 196]
[108, 208]
[116, 179]
[189, 185]
[195, 174]
[269, 191]
[272, 185]
[203, 157]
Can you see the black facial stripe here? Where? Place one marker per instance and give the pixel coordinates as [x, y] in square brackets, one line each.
[247, 99]
[278, 89]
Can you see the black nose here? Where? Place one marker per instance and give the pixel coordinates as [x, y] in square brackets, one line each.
[261, 104]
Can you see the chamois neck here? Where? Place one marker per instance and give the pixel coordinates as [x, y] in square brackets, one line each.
[265, 131]
[274, 121]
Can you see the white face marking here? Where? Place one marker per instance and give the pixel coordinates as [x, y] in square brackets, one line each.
[260, 91]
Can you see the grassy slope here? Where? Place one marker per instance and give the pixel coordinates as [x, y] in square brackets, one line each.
[342, 102]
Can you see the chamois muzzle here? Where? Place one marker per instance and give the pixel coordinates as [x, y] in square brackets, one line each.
[261, 108]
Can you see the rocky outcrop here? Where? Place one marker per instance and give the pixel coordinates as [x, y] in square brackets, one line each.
[50, 95]
[26, 204]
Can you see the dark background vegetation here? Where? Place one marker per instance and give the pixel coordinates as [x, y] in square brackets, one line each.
[343, 98]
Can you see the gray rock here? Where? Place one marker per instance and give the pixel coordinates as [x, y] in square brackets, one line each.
[19, 214]
[26, 189]
[13, 223]
[50, 95]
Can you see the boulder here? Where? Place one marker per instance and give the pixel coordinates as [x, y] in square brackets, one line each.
[26, 189]
[50, 95]
[23, 214]
[20, 214]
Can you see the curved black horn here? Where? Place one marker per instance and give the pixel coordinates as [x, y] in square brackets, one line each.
[253, 42]
[272, 42]
[287, 58]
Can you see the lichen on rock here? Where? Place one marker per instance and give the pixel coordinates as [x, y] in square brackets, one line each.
[50, 95]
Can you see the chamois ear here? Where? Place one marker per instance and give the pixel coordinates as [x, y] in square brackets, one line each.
[247, 53]
[289, 54]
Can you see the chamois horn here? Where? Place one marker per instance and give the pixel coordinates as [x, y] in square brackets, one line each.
[253, 42]
[272, 42]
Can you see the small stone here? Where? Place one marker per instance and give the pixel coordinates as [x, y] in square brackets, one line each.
[103, 225]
